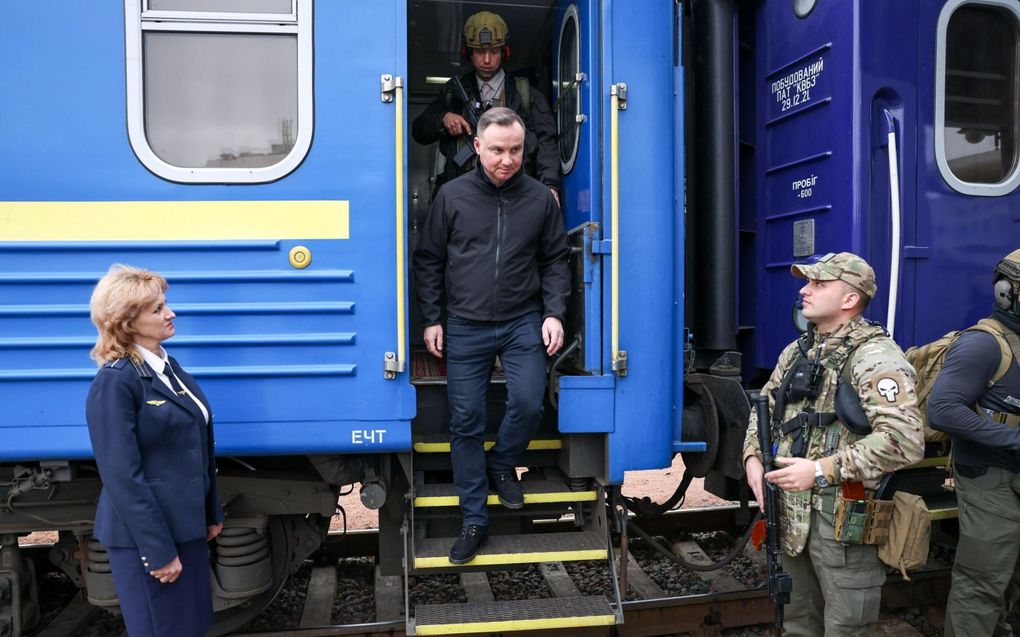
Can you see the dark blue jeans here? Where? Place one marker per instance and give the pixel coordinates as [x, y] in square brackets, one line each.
[471, 350]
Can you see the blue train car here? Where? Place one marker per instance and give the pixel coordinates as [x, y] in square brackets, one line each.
[256, 152]
[946, 104]
[851, 133]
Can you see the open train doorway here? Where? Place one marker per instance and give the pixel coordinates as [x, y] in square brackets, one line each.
[437, 54]
[543, 71]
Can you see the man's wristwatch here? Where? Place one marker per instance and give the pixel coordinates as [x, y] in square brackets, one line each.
[820, 480]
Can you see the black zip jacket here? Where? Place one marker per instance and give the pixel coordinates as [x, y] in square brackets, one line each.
[541, 151]
[496, 252]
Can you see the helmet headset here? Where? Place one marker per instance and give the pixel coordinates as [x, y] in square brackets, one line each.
[1007, 283]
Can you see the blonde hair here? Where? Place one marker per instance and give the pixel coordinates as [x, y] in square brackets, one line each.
[117, 300]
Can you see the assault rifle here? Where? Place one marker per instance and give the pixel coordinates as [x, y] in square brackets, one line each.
[780, 583]
[466, 152]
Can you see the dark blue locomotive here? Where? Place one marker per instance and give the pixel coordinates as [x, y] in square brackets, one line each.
[256, 154]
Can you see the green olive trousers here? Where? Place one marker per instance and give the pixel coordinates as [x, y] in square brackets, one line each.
[837, 588]
[986, 579]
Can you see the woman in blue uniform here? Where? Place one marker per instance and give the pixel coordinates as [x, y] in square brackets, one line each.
[152, 437]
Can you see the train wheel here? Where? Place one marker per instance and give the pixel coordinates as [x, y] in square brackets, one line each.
[700, 424]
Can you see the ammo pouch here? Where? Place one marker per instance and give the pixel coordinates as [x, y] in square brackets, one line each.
[805, 380]
[862, 521]
[907, 546]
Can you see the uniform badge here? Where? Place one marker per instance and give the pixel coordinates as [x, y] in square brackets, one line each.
[889, 389]
[155, 403]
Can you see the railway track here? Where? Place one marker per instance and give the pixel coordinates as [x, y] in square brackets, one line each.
[662, 598]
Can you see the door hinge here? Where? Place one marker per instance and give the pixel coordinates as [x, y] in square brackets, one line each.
[387, 85]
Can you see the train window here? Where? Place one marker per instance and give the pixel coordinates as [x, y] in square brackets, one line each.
[217, 94]
[568, 100]
[976, 100]
[228, 6]
[803, 8]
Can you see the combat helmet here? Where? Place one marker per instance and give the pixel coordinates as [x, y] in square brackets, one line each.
[485, 29]
[1007, 283]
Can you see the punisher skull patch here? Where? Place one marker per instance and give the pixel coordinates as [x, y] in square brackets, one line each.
[889, 389]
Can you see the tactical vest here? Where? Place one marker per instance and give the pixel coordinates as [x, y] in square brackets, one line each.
[824, 436]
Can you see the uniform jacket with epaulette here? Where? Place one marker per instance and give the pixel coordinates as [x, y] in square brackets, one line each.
[155, 458]
[884, 381]
[541, 152]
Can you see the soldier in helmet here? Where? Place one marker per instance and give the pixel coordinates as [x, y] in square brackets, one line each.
[488, 85]
[976, 399]
[823, 449]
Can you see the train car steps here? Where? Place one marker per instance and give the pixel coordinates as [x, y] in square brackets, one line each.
[521, 614]
[516, 539]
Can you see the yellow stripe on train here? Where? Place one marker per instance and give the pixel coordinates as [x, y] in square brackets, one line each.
[173, 220]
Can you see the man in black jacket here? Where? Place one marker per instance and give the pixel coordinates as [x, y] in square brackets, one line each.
[985, 459]
[487, 85]
[494, 244]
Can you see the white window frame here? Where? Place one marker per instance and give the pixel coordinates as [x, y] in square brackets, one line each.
[138, 18]
[1010, 183]
[571, 14]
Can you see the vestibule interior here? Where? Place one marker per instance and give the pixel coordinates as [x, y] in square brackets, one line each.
[435, 52]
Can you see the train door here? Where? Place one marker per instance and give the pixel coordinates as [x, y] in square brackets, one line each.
[577, 108]
[617, 104]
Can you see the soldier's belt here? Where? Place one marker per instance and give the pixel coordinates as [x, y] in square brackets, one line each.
[1002, 418]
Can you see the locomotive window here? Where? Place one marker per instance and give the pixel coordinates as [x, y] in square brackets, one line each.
[568, 102]
[976, 104]
[217, 97]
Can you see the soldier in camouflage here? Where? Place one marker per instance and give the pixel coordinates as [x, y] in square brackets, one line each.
[836, 587]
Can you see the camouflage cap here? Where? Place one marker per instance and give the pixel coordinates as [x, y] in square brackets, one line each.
[485, 29]
[844, 266]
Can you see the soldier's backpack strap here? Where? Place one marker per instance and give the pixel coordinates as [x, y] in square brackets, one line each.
[1009, 345]
[1009, 350]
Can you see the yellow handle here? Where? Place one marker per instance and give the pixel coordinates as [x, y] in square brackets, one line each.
[398, 97]
[615, 105]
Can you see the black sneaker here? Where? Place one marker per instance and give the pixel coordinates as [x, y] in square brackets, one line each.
[507, 489]
[471, 538]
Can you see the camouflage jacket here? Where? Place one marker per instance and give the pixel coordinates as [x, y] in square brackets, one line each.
[885, 383]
